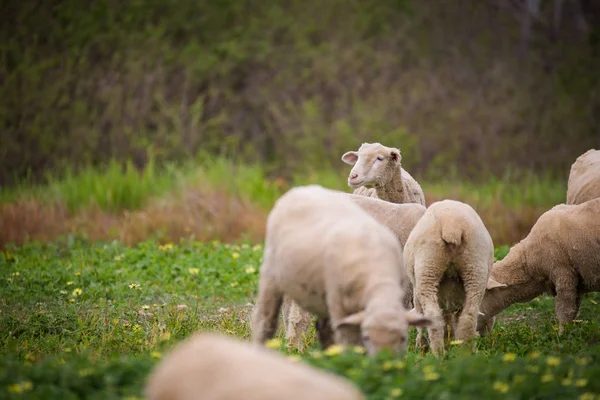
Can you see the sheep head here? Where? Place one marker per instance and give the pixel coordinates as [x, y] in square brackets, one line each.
[374, 165]
[384, 328]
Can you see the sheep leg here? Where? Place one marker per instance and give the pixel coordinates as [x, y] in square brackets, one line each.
[296, 323]
[565, 304]
[474, 285]
[324, 332]
[419, 343]
[266, 312]
[426, 292]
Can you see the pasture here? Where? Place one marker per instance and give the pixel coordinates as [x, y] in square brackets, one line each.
[83, 319]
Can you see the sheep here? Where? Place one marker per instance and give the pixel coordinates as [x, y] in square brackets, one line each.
[448, 256]
[400, 218]
[584, 178]
[377, 172]
[213, 366]
[560, 256]
[334, 260]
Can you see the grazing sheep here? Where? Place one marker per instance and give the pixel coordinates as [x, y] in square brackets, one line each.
[584, 178]
[328, 255]
[401, 219]
[377, 172]
[448, 257]
[560, 256]
[217, 367]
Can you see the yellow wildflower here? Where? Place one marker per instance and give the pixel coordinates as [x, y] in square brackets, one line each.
[396, 392]
[234, 284]
[399, 364]
[245, 246]
[535, 355]
[502, 387]
[567, 382]
[167, 246]
[594, 302]
[333, 350]
[235, 255]
[456, 342]
[155, 354]
[165, 337]
[358, 350]
[509, 357]
[20, 387]
[431, 376]
[257, 247]
[63, 292]
[145, 307]
[582, 361]
[71, 300]
[134, 286]
[587, 396]
[77, 292]
[69, 283]
[77, 273]
[250, 270]
[194, 271]
[215, 243]
[581, 382]
[16, 273]
[547, 378]
[387, 365]
[273, 343]
[428, 369]
[553, 361]
[137, 328]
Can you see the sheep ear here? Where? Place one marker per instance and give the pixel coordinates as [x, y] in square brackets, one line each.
[352, 319]
[395, 155]
[416, 319]
[492, 283]
[350, 157]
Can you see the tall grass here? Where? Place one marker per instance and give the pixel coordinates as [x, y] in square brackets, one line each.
[219, 198]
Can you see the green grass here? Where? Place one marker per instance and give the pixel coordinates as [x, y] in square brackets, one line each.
[91, 320]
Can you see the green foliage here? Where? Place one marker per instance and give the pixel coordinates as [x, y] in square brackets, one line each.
[91, 320]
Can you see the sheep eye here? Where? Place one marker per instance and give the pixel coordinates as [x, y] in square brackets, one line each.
[380, 158]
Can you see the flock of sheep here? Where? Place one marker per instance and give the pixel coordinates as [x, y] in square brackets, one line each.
[370, 264]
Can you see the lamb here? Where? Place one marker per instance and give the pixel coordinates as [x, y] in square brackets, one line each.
[400, 218]
[584, 178]
[377, 172]
[335, 261]
[560, 256]
[448, 257]
[213, 366]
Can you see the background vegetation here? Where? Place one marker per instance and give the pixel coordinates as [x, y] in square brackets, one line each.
[467, 88]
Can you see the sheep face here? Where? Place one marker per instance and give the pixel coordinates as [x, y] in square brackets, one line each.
[384, 328]
[374, 165]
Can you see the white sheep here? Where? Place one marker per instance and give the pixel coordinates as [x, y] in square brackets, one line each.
[378, 172]
[217, 367]
[584, 178]
[560, 256]
[334, 260]
[401, 219]
[448, 257]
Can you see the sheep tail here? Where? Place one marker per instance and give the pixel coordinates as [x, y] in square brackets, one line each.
[452, 233]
